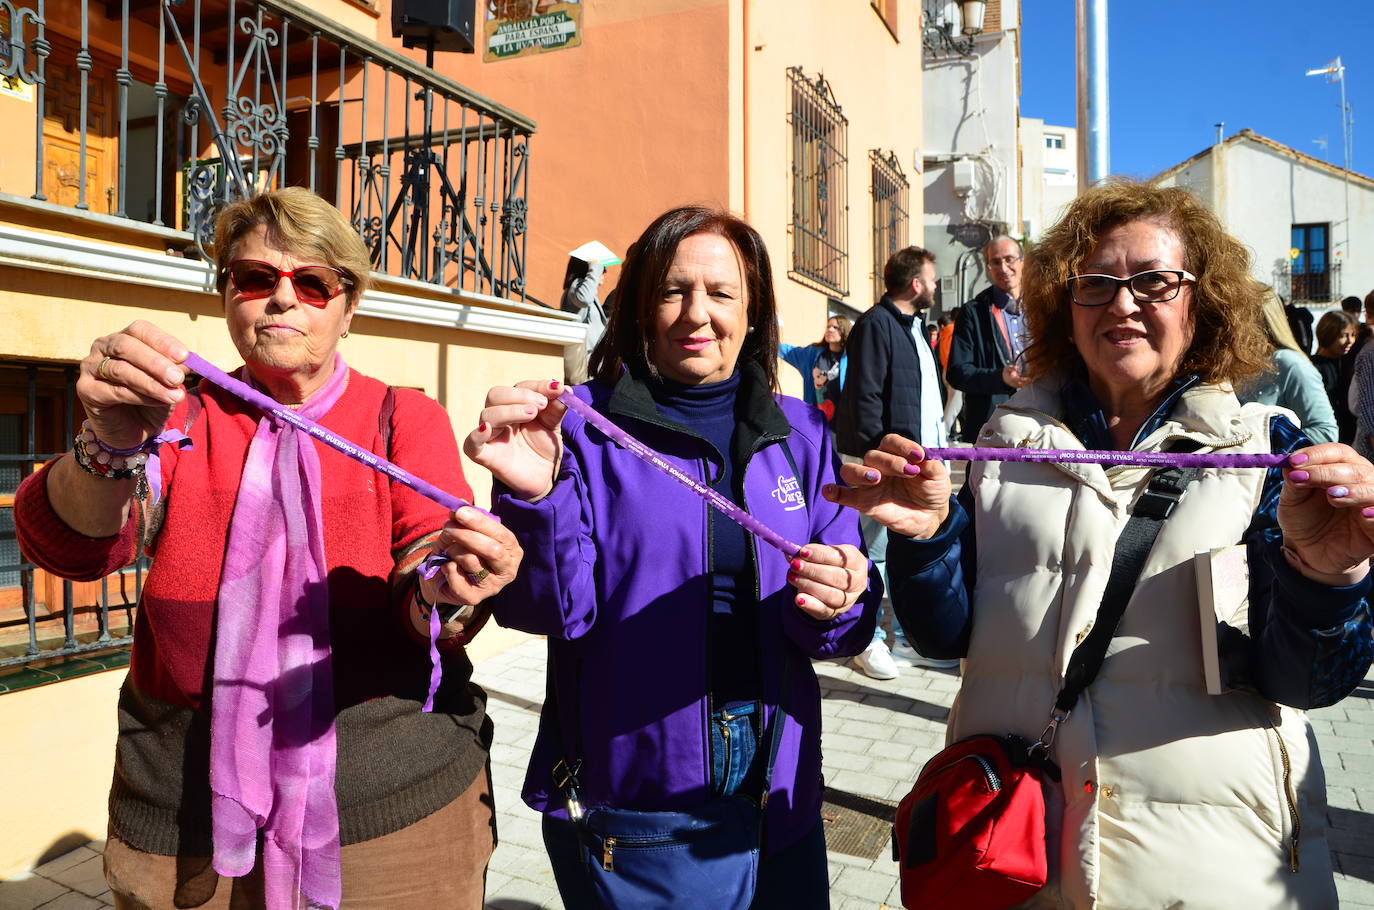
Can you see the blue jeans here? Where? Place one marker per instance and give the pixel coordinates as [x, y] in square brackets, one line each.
[875, 539]
[795, 878]
[734, 747]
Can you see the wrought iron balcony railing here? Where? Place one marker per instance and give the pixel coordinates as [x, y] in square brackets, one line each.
[161, 110]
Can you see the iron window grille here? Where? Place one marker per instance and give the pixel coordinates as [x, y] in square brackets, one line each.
[820, 170]
[42, 616]
[890, 214]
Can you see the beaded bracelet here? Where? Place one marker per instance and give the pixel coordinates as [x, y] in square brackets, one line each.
[95, 457]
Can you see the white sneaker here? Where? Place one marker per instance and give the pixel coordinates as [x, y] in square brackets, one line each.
[905, 653]
[875, 661]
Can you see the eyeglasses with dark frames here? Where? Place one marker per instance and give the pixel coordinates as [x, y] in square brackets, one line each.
[1153, 286]
[315, 285]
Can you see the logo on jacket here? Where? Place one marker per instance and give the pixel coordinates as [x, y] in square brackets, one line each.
[789, 494]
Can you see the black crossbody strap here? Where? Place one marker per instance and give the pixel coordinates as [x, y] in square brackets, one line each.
[1155, 505]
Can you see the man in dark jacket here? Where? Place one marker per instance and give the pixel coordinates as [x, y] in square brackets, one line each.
[888, 354]
[893, 386]
[988, 336]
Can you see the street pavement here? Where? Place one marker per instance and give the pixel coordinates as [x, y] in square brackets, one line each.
[876, 737]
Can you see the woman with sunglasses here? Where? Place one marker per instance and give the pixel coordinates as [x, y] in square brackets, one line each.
[1177, 790]
[272, 747]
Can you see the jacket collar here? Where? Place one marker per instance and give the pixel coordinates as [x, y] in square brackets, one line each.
[758, 417]
[906, 319]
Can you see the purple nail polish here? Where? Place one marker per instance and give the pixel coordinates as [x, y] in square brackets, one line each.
[870, 476]
[1298, 476]
[1338, 492]
[1297, 458]
[1368, 512]
[911, 469]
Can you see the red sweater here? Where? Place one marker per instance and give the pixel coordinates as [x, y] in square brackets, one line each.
[370, 524]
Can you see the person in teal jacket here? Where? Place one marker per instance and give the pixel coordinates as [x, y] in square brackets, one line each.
[822, 365]
[1294, 382]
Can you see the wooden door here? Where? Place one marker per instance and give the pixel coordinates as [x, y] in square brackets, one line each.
[62, 136]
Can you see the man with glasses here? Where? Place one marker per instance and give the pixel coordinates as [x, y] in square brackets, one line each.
[989, 336]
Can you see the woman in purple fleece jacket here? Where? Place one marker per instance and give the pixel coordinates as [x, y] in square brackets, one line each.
[674, 636]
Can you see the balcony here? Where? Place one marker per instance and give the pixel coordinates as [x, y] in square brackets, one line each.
[160, 112]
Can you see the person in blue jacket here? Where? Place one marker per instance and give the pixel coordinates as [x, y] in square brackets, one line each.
[674, 636]
[823, 365]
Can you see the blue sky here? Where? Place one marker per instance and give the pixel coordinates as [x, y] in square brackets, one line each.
[1177, 67]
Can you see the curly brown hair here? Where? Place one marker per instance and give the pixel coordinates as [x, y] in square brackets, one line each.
[1229, 344]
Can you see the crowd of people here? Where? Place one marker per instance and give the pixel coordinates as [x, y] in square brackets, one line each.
[273, 750]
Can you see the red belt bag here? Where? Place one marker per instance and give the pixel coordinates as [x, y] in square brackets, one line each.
[971, 833]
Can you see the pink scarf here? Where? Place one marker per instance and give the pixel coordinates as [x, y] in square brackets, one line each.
[272, 747]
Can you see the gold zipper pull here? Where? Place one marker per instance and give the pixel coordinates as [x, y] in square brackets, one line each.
[608, 855]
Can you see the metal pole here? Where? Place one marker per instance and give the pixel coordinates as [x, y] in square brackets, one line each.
[1345, 131]
[1099, 143]
[1081, 88]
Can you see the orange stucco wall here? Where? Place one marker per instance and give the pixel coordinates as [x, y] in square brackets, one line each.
[630, 123]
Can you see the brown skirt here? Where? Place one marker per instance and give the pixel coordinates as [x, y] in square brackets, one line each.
[440, 861]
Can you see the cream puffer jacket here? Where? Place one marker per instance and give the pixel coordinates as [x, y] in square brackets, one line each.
[1171, 797]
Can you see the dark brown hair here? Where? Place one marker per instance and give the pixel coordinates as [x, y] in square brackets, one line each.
[1229, 344]
[1330, 326]
[629, 338]
[903, 266]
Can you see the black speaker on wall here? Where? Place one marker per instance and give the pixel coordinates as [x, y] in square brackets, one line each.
[448, 22]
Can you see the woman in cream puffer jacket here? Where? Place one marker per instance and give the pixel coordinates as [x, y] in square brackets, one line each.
[1142, 315]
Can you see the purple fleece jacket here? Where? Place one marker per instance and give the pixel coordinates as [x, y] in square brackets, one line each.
[615, 573]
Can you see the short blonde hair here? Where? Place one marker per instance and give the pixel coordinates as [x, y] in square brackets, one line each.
[301, 222]
[1230, 343]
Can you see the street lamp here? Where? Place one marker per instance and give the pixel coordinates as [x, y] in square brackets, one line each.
[938, 36]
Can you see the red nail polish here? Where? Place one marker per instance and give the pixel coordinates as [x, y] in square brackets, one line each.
[797, 564]
[482, 427]
[553, 385]
[804, 553]
[801, 601]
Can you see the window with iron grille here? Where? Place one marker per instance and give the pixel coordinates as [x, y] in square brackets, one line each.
[1311, 268]
[890, 217]
[43, 616]
[820, 169]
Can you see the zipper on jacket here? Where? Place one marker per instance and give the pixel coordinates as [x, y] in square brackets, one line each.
[608, 854]
[1293, 863]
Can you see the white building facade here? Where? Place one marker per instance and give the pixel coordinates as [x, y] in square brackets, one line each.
[1049, 174]
[971, 168]
[1309, 225]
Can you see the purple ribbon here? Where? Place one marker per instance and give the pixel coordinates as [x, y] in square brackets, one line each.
[646, 454]
[153, 467]
[200, 365]
[1108, 458]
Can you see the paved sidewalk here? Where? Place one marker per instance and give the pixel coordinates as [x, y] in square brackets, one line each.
[876, 736]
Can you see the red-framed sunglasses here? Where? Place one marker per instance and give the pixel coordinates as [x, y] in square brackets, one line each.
[315, 285]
